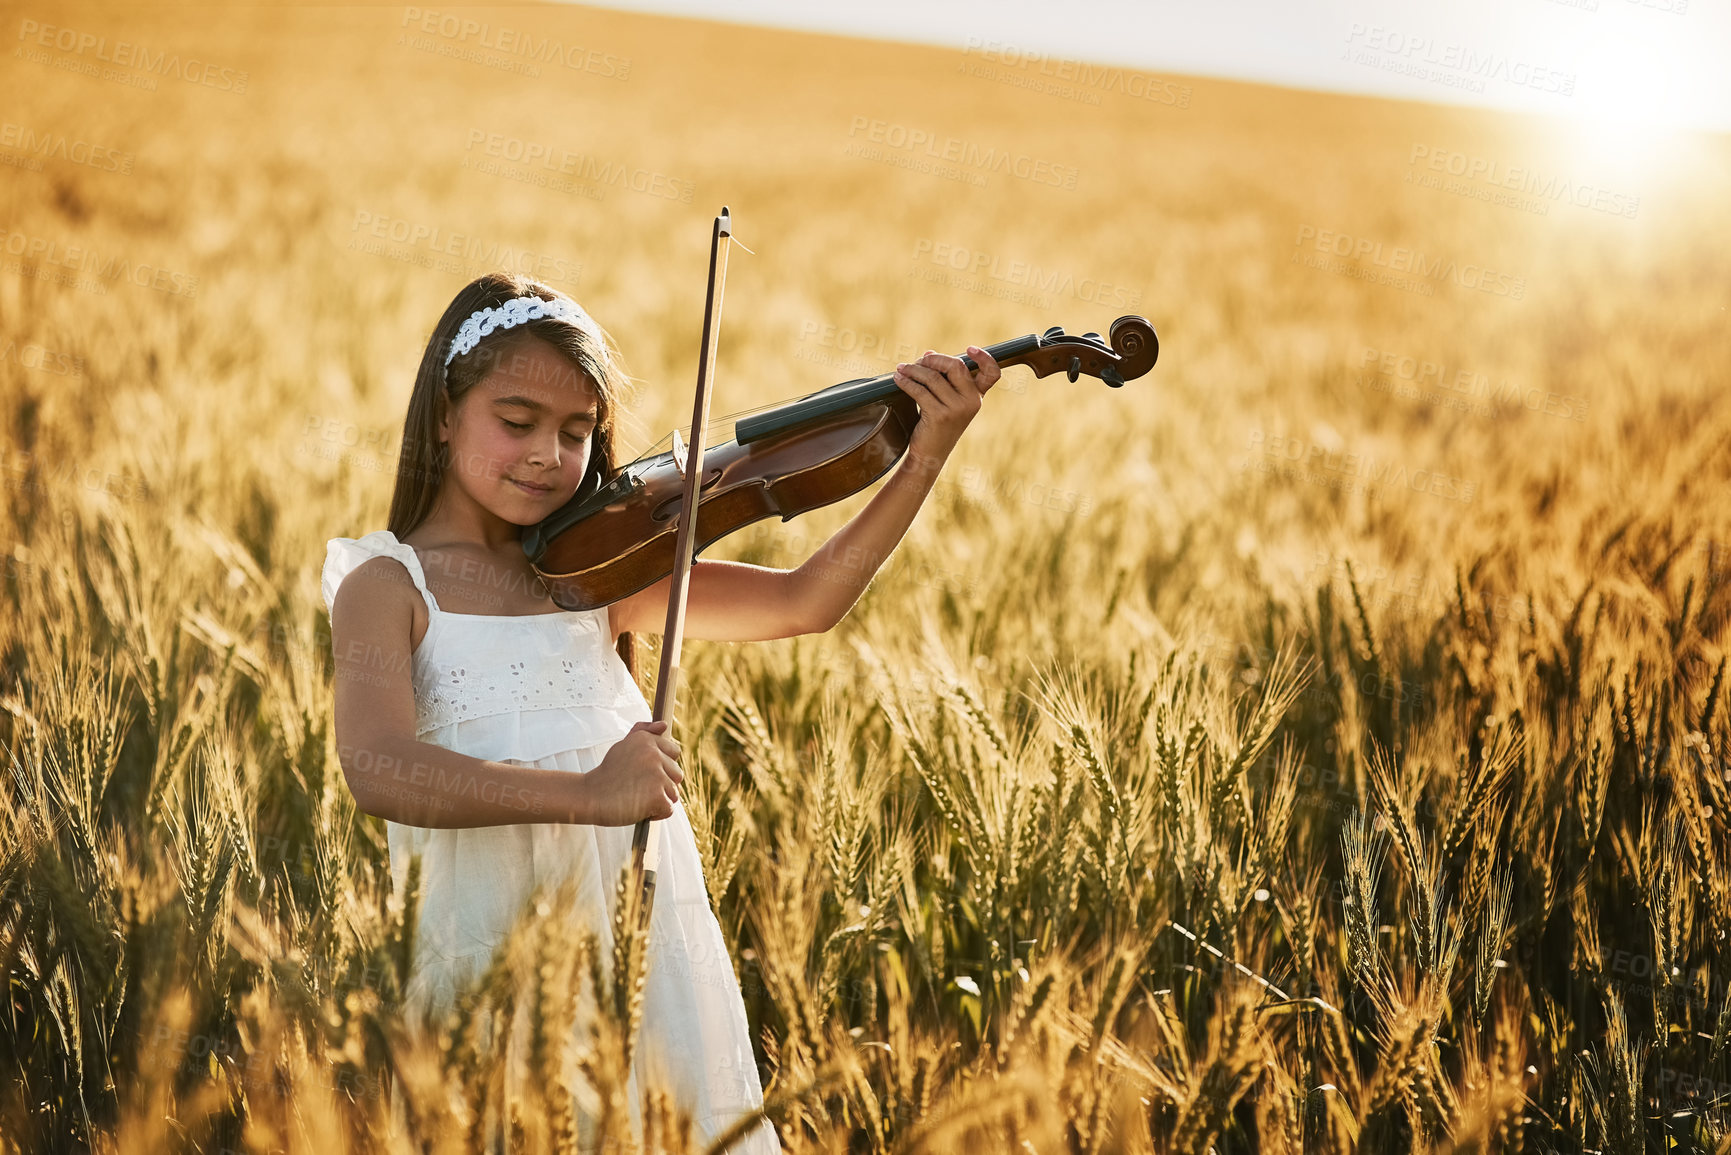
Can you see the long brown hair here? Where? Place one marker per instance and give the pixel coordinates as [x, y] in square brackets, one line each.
[421, 465]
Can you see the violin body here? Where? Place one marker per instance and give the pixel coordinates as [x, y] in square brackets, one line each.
[786, 476]
[618, 538]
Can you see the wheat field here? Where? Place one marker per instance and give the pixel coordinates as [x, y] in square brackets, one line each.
[1317, 745]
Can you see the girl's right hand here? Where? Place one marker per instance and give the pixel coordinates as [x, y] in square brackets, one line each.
[638, 777]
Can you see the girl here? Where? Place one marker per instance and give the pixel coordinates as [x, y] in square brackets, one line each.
[505, 741]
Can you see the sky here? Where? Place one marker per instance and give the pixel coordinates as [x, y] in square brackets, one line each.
[1622, 67]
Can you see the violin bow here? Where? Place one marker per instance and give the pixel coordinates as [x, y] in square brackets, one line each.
[645, 851]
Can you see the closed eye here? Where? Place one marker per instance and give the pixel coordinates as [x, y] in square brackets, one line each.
[518, 425]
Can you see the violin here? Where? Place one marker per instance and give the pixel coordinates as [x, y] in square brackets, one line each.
[784, 460]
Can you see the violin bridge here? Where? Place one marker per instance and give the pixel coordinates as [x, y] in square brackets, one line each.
[679, 453]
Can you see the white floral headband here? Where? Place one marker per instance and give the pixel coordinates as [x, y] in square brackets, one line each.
[512, 313]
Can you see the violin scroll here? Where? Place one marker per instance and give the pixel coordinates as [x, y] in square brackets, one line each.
[1138, 346]
[1132, 352]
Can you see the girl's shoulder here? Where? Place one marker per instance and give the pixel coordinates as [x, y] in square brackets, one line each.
[344, 555]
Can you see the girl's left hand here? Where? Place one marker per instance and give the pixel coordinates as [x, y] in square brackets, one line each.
[948, 396]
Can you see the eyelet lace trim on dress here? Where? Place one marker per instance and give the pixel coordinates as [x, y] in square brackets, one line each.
[458, 693]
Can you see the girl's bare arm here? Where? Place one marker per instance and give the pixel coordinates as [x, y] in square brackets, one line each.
[735, 602]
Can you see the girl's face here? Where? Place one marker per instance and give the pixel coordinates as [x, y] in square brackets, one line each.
[521, 437]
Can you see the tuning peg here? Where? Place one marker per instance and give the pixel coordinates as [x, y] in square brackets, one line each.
[1053, 333]
[1094, 337]
[1075, 369]
[1112, 377]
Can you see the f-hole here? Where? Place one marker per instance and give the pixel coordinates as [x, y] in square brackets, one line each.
[669, 509]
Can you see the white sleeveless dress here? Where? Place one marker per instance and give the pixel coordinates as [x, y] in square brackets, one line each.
[549, 690]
